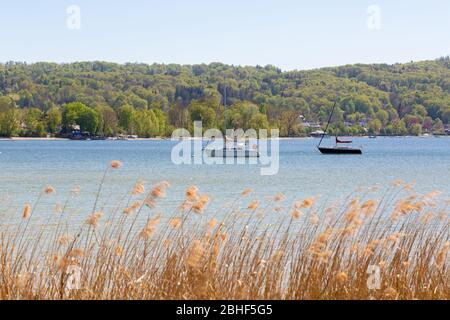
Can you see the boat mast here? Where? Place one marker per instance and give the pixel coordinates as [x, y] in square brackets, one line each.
[225, 107]
[328, 123]
[225, 93]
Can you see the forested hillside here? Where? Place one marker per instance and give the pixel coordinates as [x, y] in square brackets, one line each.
[150, 100]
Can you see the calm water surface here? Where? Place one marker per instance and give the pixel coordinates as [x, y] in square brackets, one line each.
[26, 167]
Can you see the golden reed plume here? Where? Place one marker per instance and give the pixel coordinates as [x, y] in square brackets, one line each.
[249, 250]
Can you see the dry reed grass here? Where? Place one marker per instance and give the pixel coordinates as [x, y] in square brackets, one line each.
[256, 251]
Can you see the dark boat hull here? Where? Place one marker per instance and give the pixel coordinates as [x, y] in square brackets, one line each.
[232, 153]
[340, 150]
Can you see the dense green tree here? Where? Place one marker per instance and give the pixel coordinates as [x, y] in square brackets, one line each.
[146, 123]
[162, 122]
[408, 94]
[399, 128]
[259, 121]
[25, 98]
[375, 126]
[240, 115]
[362, 104]
[419, 110]
[108, 121]
[9, 123]
[33, 122]
[54, 120]
[356, 117]
[438, 126]
[6, 103]
[446, 116]
[427, 124]
[9, 117]
[89, 120]
[126, 117]
[289, 124]
[411, 120]
[138, 102]
[200, 111]
[383, 116]
[178, 115]
[415, 129]
[77, 113]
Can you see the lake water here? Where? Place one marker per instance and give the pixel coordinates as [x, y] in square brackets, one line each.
[26, 167]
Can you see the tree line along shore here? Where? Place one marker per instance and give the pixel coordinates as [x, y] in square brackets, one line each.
[108, 100]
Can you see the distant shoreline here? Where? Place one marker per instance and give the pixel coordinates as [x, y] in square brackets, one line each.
[192, 138]
[32, 139]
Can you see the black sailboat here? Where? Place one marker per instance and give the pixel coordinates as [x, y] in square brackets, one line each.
[338, 148]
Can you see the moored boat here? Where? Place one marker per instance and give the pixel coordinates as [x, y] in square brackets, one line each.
[338, 148]
[318, 134]
[234, 149]
[232, 153]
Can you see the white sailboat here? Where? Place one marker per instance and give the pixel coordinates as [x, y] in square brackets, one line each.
[233, 148]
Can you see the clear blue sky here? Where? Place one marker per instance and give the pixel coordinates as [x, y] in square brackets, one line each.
[291, 34]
